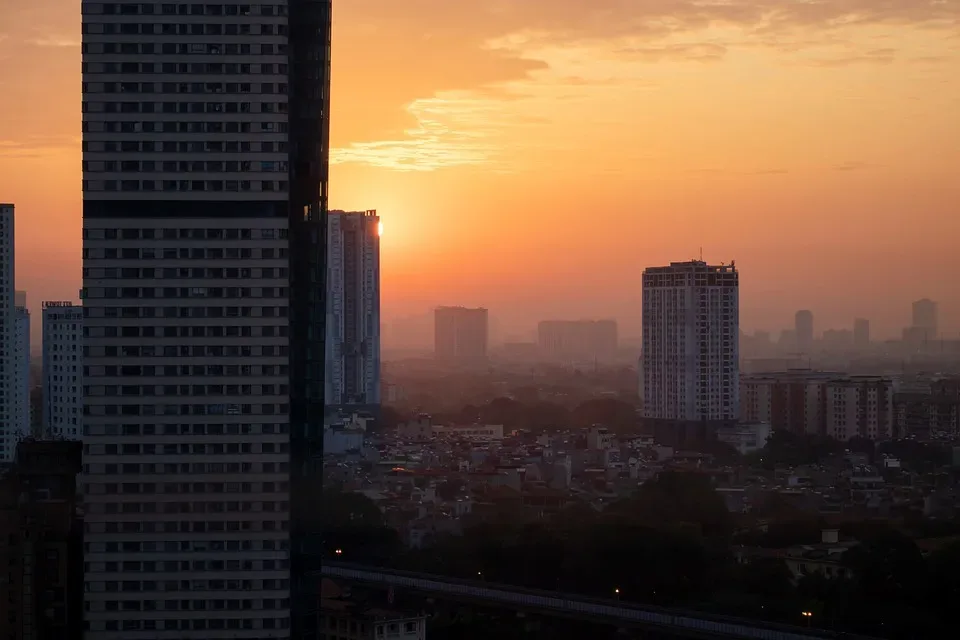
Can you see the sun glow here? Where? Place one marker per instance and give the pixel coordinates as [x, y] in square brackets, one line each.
[379, 228]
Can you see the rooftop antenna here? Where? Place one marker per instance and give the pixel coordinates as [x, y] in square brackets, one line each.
[701, 254]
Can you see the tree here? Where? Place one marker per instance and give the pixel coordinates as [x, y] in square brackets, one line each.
[506, 411]
[943, 585]
[347, 508]
[450, 489]
[678, 497]
[390, 418]
[620, 416]
[548, 416]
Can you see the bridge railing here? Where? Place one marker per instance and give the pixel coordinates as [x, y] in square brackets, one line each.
[568, 603]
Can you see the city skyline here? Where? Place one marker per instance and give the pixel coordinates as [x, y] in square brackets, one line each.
[435, 133]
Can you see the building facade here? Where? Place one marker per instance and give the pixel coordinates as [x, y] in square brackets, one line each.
[578, 340]
[461, 334]
[820, 403]
[9, 372]
[41, 558]
[205, 163]
[353, 310]
[691, 331]
[21, 356]
[62, 370]
[930, 412]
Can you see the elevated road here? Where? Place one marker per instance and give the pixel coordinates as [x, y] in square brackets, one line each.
[668, 621]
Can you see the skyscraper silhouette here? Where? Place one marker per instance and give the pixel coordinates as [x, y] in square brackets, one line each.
[205, 162]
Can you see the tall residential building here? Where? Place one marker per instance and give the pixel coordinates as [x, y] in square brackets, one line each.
[803, 326]
[925, 318]
[21, 355]
[62, 370]
[861, 333]
[691, 332]
[205, 162]
[460, 334]
[9, 373]
[41, 562]
[820, 403]
[578, 339]
[353, 310]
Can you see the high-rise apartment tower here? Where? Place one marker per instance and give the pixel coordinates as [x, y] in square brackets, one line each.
[691, 334]
[10, 418]
[353, 318]
[21, 355]
[205, 161]
[62, 370]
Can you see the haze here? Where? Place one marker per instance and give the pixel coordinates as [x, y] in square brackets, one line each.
[533, 156]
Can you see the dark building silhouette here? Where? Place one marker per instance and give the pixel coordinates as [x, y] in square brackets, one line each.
[205, 172]
[926, 318]
[803, 328]
[41, 543]
[861, 333]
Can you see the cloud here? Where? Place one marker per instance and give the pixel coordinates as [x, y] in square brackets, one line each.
[525, 51]
[702, 52]
[54, 41]
[875, 56]
[853, 166]
[37, 146]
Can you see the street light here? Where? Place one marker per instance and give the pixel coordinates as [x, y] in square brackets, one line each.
[808, 615]
[339, 552]
[616, 592]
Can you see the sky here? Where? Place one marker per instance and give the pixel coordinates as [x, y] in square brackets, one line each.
[533, 156]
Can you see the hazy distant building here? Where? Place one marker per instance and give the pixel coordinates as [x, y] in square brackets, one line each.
[861, 333]
[577, 340]
[915, 338]
[353, 310]
[819, 403]
[925, 318]
[62, 370]
[691, 330]
[803, 326]
[460, 334]
[837, 340]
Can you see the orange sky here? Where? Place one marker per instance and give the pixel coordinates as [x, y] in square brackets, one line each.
[533, 156]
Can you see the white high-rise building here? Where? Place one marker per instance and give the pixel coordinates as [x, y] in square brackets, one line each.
[353, 310]
[205, 162]
[21, 354]
[9, 376]
[62, 370]
[691, 331]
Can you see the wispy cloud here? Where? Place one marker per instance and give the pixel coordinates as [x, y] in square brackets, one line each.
[854, 165]
[874, 56]
[54, 41]
[38, 146]
[576, 50]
